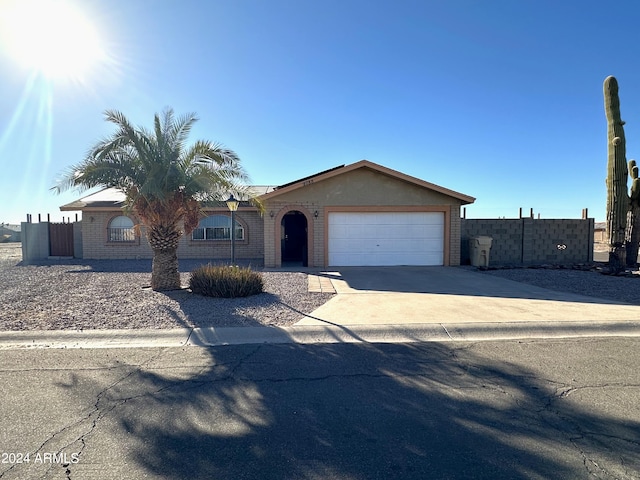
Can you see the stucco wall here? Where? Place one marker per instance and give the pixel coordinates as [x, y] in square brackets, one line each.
[77, 240]
[96, 246]
[365, 187]
[35, 241]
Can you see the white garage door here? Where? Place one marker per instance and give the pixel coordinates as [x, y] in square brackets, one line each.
[389, 238]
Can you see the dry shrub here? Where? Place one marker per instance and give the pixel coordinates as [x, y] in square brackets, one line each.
[225, 281]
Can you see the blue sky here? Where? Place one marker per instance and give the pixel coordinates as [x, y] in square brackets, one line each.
[498, 99]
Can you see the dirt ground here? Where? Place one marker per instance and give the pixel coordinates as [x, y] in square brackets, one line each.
[10, 252]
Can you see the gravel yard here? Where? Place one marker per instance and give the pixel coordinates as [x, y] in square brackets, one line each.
[589, 283]
[88, 294]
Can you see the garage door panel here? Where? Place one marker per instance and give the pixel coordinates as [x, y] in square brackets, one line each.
[417, 231]
[433, 232]
[339, 230]
[386, 238]
[400, 232]
[415, 245]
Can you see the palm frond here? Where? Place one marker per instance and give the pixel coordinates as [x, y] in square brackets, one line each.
[68, 180]
[179, 131]
[155, 168]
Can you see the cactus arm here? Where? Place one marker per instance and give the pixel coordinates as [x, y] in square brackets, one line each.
[635, 182]
[632, 240]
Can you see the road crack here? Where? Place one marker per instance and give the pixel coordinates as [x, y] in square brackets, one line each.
[82, 428]
[592, 466]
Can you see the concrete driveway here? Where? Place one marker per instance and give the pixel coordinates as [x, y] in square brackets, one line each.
[410, 295]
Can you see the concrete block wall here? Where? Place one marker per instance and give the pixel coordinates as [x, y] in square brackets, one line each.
[506, 247]
[528, 241]
[558, 241]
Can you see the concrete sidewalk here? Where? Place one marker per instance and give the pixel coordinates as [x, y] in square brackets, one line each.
[419, 295]
[312, 334]
[408, 304]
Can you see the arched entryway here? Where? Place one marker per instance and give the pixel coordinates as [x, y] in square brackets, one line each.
[294, 249]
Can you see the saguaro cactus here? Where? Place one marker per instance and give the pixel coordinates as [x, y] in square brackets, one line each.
[617, 198]
[632, 237]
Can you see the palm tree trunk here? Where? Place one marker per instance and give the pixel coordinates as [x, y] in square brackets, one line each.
[164, 272]
[163, 240]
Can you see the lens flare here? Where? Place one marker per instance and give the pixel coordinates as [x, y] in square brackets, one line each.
[50, 36]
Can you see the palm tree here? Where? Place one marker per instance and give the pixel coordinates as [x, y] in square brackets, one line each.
[165, 182]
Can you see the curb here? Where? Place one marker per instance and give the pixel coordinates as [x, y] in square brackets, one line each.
[312, 334]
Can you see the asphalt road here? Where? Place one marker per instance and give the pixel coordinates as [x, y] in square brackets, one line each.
[563, 408]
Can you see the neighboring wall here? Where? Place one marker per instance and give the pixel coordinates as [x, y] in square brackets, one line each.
[36, 244]
[9, 234]
[600, 232]
[96, 246]
[35, 241]
[528, 241]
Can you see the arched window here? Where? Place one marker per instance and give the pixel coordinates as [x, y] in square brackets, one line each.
[217, 227]
[121, 230]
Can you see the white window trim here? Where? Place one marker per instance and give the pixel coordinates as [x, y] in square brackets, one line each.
[240, 230]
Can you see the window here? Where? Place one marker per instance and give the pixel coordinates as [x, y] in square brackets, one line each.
[217, 227]
[121, 230]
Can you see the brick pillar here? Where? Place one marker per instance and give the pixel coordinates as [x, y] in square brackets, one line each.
[455, 234]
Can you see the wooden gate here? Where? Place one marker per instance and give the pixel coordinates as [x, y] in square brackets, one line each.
[61, 239]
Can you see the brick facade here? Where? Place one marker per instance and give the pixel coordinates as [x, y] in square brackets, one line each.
[315, 228]
[95, 244]
[454, 236]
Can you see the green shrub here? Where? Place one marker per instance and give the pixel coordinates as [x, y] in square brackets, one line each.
[225, 281]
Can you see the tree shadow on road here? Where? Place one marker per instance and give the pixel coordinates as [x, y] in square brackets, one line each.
[361, 411]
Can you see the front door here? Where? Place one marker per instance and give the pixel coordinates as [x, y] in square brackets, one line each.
[294, 238]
